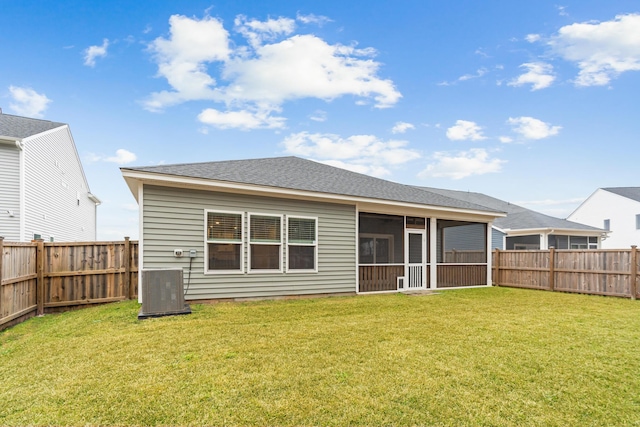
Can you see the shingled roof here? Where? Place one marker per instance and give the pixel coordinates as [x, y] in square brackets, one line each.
[632, 193]
[295, 173]
[23, 127]
[518, 218]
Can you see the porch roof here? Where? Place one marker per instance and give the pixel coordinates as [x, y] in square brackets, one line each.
[518, 217]
[294, 173]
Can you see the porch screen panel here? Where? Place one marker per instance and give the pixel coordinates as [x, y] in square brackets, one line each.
[461, 242]
[529, 242]
[415, 248]
[381, 239]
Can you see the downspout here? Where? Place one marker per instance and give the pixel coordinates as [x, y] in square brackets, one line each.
[23, 222]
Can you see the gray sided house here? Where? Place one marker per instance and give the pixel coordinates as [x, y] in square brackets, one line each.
[43, 189]
[523, 228]
[289, 226]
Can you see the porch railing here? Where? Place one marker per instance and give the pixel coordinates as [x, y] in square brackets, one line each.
[376, 278]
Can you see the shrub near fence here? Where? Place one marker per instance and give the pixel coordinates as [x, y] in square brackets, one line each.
[610, 272]
[38, 277]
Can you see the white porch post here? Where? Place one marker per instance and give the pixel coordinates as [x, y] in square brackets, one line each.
[433, 253]
[544, 241]
[489, 254]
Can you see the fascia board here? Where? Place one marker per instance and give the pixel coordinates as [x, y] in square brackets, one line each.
[571, 231]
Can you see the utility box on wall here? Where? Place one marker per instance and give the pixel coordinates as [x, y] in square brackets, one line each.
[162, 293]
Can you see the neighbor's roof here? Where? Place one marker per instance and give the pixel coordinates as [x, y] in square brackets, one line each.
[24, 127]
[295, 173]
[518, 218]
[632, 193]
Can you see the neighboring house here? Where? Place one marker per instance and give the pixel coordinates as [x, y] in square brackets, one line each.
[523, 228]
[289, 226]
[43, 190]
[616, 209]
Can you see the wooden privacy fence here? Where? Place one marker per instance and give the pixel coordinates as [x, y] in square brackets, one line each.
[40, 277]
[611, 272]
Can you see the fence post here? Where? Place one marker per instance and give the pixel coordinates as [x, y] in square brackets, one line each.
[40, 275]
[634, 272]
[552, 267]
[1, 258]
[496, 267]
[127, 267]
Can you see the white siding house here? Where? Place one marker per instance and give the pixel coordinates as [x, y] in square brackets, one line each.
[616, 209]
[43, 189]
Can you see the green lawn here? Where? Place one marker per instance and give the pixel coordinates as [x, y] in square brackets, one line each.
[493, 356]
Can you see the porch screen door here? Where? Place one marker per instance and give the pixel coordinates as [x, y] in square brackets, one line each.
[416, 259]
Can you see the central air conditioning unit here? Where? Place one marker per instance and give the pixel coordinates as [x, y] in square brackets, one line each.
[162, 293]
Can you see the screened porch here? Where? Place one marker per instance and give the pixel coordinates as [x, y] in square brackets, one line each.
[399, 253]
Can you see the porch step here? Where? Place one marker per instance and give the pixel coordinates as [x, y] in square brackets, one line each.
[420, 292]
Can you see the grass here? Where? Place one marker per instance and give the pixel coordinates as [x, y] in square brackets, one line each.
[481, 357]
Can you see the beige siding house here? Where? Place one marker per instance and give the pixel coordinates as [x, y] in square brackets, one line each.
[288, 226]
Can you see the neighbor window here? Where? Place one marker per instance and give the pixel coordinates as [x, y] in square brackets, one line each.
[265, 242]
[224, 241]
[607, 224]
[638, 222]
[302, 242]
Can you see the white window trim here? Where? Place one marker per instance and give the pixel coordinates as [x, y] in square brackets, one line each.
[206, 243]
[314, 244]
[249, 243]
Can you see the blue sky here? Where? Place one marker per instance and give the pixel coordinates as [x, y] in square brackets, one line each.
[533, 102]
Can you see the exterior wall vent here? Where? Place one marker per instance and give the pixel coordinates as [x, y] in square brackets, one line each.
[162, 293]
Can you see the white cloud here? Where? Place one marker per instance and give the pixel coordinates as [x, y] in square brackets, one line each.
[93, 52]
[319, 116]
[532, 38]
[256, 32]
[122, 157]
[182, 59]
[479, 73]
[27, 102]
[505, 139]
[462, 164]
[539, 75]
[305, 66]
[313, 19]
[465, 130]
[562, 10]
[243, 119]
[362, 153]
[259, 77]
[601, 50]
[402, 127]
[531, 128]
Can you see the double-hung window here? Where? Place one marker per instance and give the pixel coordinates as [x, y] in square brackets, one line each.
[302, 244]
[224, 242]
[265, 242]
